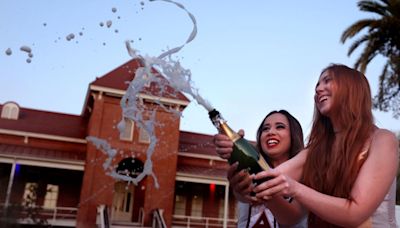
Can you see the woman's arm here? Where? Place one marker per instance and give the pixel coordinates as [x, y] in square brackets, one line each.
[294, 166]
[286, 212]
[372, 184]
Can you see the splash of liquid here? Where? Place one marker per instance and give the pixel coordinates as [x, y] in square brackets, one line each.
[8, 51]
[28, 50]
[175, 76]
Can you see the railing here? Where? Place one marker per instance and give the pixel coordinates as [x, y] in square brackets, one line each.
[60, 212]
[193, 221]
[141, 216]
[61, 216]
[158, 219]
[102, 218]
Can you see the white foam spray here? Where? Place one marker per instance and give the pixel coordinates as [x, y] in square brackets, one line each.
[173, 75]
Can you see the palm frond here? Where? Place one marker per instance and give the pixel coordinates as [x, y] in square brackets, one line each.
[381, 35]
[357, 43]
[357, 27]
[373, 7]
[375, 45]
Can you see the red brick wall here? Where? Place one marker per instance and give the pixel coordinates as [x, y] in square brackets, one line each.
[98, 188]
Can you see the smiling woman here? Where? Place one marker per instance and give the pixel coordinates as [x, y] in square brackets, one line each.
[349, 166]
[279, 138]
[348, 169]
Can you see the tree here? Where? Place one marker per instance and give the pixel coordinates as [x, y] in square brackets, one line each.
[28, 210]
[382, 37]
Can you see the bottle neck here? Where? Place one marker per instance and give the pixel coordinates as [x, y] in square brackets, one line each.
[229, 132]
[222, 126]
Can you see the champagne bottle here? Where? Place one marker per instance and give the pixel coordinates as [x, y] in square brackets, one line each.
[243, 152]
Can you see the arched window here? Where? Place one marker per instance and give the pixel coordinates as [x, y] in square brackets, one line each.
[10, 111]
[127, 134]
[130, 167]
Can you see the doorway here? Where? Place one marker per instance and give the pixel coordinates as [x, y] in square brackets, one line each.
[122, 208]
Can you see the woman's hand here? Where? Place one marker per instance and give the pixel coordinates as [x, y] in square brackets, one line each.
[242, 184]
[278, 184]
[224, 145]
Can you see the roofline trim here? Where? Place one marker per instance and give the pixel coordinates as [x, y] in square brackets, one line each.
[202, 156]
[49, 163]
[42, 136]
[140, 95]
[180, 176]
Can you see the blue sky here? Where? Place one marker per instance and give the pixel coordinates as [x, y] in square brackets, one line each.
[248, 58]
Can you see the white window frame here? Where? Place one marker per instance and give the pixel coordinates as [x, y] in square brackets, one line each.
[10, 110]
[127, 135]
[221, 208]
[144, 136]
[197, 206]
[51, 197]
[180, 205]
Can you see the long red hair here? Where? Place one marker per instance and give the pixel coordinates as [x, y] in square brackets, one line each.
[330, 170]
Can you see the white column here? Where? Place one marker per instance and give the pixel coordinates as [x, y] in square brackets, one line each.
[10, 183]
[226, 206]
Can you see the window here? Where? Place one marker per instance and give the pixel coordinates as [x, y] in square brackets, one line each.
[147, 80]
[197, 206]
[29, 198]
[180, 205]
[221, 208]
[144, 136]
[10, 111]
[127, 134]
[50, 200]
[130, 167]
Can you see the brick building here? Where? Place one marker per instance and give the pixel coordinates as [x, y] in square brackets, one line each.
[46, 163]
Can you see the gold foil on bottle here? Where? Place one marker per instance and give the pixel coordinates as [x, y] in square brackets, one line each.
[229, 132]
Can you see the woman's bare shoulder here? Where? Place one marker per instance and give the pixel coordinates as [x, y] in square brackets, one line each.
[383, 138]
[383, 134]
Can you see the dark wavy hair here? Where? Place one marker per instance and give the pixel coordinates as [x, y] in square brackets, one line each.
[296, 135]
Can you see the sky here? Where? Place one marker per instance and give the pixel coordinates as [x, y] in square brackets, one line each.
[247, 59]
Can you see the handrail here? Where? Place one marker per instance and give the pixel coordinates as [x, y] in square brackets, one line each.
[189, 221]
[102, 215]
[57, 212]
[50, 215]
[158, 219]
[141, 216]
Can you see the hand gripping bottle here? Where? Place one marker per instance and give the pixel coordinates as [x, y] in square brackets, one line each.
[243, 152]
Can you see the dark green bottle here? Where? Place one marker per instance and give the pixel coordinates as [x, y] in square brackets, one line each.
[243, 151]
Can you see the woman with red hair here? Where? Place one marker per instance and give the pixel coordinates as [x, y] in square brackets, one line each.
[346, 176]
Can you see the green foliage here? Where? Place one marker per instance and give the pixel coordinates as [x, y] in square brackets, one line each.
[381, 37]
[28, 211]
[9, 216]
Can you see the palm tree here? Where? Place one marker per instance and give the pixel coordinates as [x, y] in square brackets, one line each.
[382, 37]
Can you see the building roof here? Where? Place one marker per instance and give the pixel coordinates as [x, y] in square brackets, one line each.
[45, 122]
[73, 126]
[197, 171]
[197, 143]
[40, 153]
[120, 77]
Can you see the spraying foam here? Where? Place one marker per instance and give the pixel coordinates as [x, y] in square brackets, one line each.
[176, 77]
